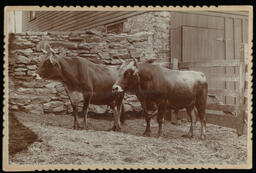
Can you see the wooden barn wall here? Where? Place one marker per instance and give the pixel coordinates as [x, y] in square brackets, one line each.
[203, 36]
[72, 20]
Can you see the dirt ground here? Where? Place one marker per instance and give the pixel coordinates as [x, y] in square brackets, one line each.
[57, 143]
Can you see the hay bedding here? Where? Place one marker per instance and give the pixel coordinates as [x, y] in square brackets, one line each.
[59, 144]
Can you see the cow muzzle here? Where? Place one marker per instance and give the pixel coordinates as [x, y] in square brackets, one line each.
[36, 76]
[116, 89]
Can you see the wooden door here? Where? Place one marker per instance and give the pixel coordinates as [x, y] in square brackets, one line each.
[203, 36]
[205, 44]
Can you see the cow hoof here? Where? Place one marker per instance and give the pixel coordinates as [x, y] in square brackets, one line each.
[187, 136]
[85, 128]
[111, 129]
[146, 134]
[203, 137]
[114, 128]
[76, 127]
[159, 136]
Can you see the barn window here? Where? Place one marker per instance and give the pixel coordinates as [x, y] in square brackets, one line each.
[115, 28]
[32, 15]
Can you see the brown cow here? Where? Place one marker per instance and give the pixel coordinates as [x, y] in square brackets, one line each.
[79, 75]
[165, 88]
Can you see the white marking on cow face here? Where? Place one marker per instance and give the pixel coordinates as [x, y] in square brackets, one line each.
[130, 66]
[117, 88]
[38, 77]
[49, 67]
[127, 72]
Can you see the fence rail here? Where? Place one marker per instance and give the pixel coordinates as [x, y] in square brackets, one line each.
[207, 64]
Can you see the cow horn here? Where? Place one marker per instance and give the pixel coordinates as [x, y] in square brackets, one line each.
[53, 51]
[134, 59]
[100, 55]
[142, 54]
[44, 51]
[120, 59]
[129, 52]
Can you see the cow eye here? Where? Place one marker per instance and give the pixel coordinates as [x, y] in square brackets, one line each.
[48, 62]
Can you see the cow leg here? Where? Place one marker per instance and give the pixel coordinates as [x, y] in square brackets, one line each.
[147, 119]
[160, 118]
[190, 132]
[174, 117]
[87, 100]
[117, 112]
[122, 115]
[75, 112]
[73, 98]
[201, 115]
[194, 114]
[117, 126]
[120, 110]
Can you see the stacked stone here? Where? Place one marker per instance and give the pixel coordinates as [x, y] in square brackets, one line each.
[156, 23]
[40, 96]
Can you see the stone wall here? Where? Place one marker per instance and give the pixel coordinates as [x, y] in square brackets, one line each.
[157, 23]
[148, 33]
[41, 96]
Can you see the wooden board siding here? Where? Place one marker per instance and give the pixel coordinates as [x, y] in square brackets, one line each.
[72, 20]
[200, 36]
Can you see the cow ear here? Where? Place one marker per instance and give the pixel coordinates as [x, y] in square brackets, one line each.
[52, 59]
[135, 68]
[135, 71]
[134, 62]
[122, 65]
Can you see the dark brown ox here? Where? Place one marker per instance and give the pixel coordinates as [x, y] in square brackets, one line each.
[165, 88]
[79, 75]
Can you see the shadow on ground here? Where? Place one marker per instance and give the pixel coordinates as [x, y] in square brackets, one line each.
[20, 136]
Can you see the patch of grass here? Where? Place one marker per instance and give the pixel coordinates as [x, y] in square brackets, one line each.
[20, 137]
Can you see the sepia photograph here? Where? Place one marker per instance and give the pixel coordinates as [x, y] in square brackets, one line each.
[127, 87]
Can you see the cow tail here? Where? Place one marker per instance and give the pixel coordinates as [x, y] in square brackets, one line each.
[201, 101]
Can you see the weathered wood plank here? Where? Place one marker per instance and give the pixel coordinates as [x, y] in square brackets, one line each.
[226, 77]
[218, 14]
[225, 108]
[240, 121]
[247, 76]
[164, 64]
[246, 93]
[79, 20]
[222, 120]
[228, 121]
[175, 43]
[206, 64]
[223, 92]
[229, 50]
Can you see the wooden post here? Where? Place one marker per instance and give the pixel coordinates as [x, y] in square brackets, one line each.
[175, 63]
[171, 115]
[241, 111]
